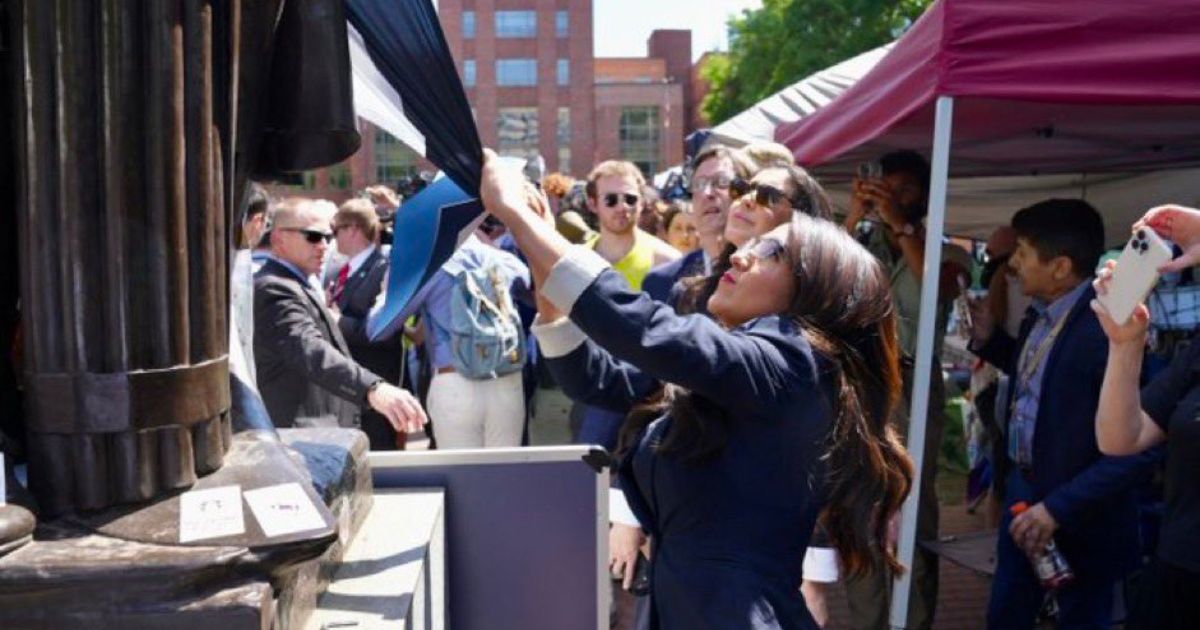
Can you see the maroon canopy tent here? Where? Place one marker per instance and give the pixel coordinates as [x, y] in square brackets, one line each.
[1101, 85]
[1013, 87]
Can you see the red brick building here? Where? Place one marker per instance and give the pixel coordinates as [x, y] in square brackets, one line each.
[535, 87]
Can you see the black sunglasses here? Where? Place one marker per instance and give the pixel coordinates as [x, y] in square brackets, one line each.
[612, 199]
[764, 195]
[312, 236]
[760, 248]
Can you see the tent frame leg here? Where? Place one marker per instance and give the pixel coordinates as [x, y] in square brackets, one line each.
[918, 416]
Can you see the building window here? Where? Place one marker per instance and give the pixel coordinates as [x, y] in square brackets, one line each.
[517, 131]
[393, 159]
[564, 72]
[516, 24]
[339, 176]
[516, 72]
[309, 180]
[563, 136]
[639, 138]
[468, 25]
[469, 73]
[561, 24]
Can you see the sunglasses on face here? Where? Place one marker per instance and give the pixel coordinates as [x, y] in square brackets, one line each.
[760, 248]
[612, 199]
[312, 236]
[720, 181]
[764, 195]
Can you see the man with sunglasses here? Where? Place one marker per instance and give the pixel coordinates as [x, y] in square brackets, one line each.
[305, 373]
[614, 193]
[896, 204]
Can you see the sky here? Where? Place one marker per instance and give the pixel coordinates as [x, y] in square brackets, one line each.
[623, 26]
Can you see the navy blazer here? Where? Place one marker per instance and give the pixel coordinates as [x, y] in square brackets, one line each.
[381, 356]
[659, 280]
[730, 531]
[1090, 495]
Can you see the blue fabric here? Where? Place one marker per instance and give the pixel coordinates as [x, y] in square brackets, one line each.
[406, 44]
[1016, 594]
[601, 426]
[1029, 392]
[1092, 496]
[730, 532]
[659, 280]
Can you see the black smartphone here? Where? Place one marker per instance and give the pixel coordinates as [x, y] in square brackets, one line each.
[641, 576]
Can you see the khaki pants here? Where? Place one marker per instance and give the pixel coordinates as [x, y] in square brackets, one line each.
[870, 595]
[476, 414]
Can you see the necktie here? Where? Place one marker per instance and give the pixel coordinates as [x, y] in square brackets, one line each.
[340, 285]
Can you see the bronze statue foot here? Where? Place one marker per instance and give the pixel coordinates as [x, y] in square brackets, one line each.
[16, 527]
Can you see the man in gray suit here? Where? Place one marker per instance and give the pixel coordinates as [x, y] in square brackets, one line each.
[305, 373]
[352, 293]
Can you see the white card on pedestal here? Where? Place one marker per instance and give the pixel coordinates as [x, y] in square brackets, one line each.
[211, 513]
[283, 509]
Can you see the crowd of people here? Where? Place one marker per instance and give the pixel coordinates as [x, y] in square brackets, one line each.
[746, 352]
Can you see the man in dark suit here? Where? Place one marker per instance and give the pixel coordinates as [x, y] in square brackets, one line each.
[356, 285]
[1079, 497]
[715, 168]
[305, 373]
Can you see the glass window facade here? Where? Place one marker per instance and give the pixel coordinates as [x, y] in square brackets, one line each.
[517, 129]
[563, 135]
[468, 25]
[516, 72]
[511, 24]
[393, 159]
[562, 24]
[640, 133]
[469, 73]
[339, 176]
[564, 72]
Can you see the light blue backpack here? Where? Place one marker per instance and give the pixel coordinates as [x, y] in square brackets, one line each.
[486, 337]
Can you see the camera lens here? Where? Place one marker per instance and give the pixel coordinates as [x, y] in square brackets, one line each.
[1141, 234]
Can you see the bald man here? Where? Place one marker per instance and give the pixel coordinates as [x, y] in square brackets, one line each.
[305, 372]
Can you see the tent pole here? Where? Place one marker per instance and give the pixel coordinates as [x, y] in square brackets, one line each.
[935, 228]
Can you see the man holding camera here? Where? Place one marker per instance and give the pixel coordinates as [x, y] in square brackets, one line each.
[893, 196]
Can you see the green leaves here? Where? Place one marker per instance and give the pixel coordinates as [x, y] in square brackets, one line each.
[786, 40]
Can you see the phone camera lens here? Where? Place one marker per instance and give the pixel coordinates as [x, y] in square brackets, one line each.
[1141, 234]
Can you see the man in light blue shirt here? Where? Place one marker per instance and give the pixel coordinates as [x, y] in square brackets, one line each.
[468, 413]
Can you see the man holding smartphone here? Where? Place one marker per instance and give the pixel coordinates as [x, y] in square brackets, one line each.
[897, 200]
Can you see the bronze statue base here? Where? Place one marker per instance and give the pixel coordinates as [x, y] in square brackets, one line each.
[87, 572]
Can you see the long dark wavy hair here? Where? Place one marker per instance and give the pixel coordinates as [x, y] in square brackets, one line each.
[843, 306]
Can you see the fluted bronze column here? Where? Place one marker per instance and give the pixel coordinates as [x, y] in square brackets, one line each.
[125, 111]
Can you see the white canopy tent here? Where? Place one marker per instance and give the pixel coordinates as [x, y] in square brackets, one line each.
[801, 99]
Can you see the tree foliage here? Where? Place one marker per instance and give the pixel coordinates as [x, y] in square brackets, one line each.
[786, 40]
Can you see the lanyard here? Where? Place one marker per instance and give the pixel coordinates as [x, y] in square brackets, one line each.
[1031, 359]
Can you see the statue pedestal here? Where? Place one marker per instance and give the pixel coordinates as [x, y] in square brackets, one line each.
[82, 572]
[393, 575]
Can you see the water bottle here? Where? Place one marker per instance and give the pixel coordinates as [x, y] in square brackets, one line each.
[1049, 565]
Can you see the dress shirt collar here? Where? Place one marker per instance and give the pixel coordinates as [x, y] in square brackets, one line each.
[358, 259]
[1060, 307]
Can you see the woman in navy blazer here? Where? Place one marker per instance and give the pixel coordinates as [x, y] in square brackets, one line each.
[776, 416]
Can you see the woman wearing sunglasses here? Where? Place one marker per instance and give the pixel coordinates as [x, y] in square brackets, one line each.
[759, 204]
[774, 416]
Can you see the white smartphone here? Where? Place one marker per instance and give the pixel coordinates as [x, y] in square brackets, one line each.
[1136, 274]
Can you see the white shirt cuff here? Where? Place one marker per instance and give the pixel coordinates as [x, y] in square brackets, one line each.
[557, 338]
[618, 509]
[572, 275]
